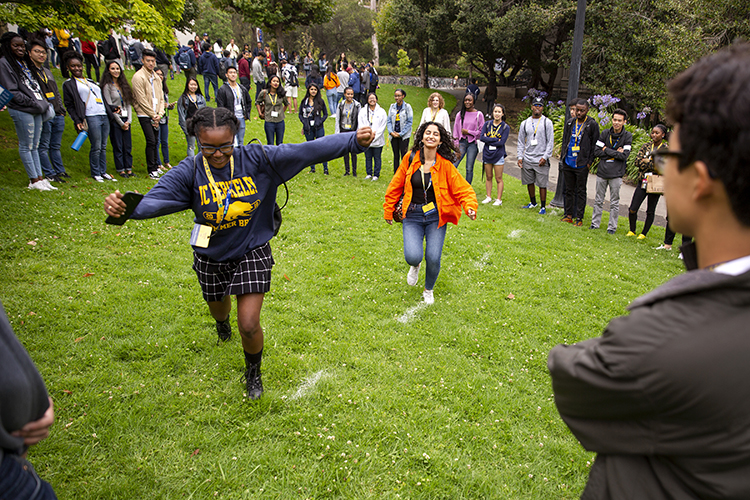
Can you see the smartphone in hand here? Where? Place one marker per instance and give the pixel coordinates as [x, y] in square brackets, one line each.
[131, 199]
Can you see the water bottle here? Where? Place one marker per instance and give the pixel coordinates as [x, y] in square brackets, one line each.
[82, 136]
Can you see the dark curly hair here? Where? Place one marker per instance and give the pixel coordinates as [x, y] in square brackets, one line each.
[207, 117]
[69, 55]
[446, 149]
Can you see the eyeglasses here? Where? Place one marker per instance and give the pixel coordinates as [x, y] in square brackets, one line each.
[226, 149]
[661, 157]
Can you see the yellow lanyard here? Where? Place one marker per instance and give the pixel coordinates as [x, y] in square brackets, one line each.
[579, 129]
[434, 115]
[537, 125]
[217, 192]
[273, 98]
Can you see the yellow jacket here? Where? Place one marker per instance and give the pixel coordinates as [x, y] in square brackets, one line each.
[451, 189]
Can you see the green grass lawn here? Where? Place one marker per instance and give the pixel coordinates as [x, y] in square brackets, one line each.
[368, 393]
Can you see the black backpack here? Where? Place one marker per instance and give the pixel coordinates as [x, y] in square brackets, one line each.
[184, 59]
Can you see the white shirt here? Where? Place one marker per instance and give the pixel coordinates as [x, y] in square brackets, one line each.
[442, 117]
[377, 119]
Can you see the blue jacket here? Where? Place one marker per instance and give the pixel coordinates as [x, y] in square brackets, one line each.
[406, 119]
[354, 82]
[494, 147]
[249, 220]
[208, 64]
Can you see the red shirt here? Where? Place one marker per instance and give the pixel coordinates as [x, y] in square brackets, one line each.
[88, 47]
[243, 68]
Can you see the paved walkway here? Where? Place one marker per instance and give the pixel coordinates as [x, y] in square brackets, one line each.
[626, 192]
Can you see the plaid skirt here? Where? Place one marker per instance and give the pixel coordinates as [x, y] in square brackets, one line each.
[250, 274]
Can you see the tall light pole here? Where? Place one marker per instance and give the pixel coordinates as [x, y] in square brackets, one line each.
[574, 76]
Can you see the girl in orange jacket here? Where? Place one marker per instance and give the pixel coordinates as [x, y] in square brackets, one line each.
[433, 194]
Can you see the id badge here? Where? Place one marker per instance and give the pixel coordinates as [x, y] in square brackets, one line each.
[123, 113]
[312, 123]
[534, 142]
[575, 149]
[274, 114]
[428, 208]
[50, 95]
[610, 161]
[98, 100]
[200, 236]
[491, 148]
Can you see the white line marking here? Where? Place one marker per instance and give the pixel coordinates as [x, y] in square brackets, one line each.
[483, 261]
[516, 233]
[411, 313]
[309, 384]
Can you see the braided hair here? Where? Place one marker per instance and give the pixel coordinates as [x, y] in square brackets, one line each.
[206, 118]
[446, 149]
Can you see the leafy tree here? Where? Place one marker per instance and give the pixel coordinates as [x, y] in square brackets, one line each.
[349, 30]
[217, 22]
[92, 19]
[280, 16]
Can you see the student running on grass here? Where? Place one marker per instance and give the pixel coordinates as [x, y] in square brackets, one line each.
[232, 192]
[433, 194]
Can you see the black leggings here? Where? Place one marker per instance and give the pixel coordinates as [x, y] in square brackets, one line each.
[400, 146]
[639, 195]
[92, 60]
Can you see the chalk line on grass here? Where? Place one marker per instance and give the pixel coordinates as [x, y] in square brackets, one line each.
[411, 313]
[516, 233]
[309, 384]
[483, 261]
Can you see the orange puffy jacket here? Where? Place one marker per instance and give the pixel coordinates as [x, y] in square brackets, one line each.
[451, 189]
[331, 82]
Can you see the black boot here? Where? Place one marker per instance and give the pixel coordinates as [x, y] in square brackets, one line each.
[224, 329]
[252, 379]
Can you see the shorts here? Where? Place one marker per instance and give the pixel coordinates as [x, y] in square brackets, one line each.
[500, 163]
[291, 91]
[249, 274]
[532, 173]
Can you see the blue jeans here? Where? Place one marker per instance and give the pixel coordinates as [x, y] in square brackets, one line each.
[190, 145]
[29, 132]
[49, 146]
[18, 479]
[162, 139]
[122, 147]
[98, 132]
[331, 96]
[470, 150]
[370, 154]
[311, 135]
[275, 129]
[213, 80]
[416, 228]
[239, 137]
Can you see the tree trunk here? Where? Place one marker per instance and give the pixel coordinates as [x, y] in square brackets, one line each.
[375, 47]
[278, 29]
[422, 69]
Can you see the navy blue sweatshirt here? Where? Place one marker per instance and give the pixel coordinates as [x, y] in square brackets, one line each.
[494, 147]
[249, 220]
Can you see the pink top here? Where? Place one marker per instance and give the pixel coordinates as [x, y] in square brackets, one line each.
[472, 122]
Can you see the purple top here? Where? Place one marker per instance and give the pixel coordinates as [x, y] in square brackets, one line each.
[472, 122]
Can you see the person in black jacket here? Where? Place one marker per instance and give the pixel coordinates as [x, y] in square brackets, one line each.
[28, 106]
[208, 66]
[27, 416]
[347, 119]
[663, 396]
[235, 97]
[579, 140]
[612, 149]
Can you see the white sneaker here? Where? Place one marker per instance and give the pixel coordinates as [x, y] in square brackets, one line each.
[368, 177]
[109, 177]
[680, 256]
[428, 297]
[154, 174]
[38, 186]
[374, 178]
[662, 247]
[487, 200]
[497, 203]
[49, 186]
[98, 178]
[413, 275]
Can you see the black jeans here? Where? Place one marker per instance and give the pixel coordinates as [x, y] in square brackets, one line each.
[400, 146]
[575, 191]
[92, 60]
[149, 132]
[639, 195]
